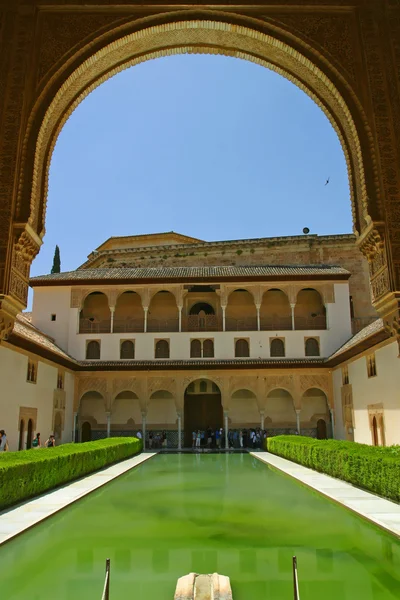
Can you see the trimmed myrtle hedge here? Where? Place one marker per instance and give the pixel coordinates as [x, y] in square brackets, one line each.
[32, 472]
[372, 468]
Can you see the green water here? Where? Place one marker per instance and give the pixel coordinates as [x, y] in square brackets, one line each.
[180, 513]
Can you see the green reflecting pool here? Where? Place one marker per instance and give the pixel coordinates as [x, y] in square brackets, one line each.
[180, 513]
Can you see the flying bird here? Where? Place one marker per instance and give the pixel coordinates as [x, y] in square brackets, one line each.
[327, 181]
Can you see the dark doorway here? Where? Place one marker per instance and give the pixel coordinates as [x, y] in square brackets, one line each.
[21, 435]
[202, 408]
[86, 435]
[29, 435]
[375, 439]
[321, 430]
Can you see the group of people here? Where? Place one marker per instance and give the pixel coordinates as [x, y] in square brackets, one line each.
[237, 438]
[36, 442]
[158, 440]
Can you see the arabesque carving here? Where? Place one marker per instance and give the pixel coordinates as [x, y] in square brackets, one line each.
[126, 384]
[92, 384]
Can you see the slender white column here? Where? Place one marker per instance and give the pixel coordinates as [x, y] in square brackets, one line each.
[112, 310]
[180, 317]
[108, 424]
[226, 429]
[179, 430]
[258, 306]
[298, 420]
[262, 418]
[223, 317]
[332, 421]
[292, 306]
[145, 308]
[75, 426]
[144, 429]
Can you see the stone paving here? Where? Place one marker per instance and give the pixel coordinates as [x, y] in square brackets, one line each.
[384, 513]
[16, 520]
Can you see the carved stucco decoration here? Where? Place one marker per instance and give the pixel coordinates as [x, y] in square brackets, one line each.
[307, 382]
[127, 384]
[26, 247]
[243, 383]
[372, 245]
[92, 384]
[156, 384]
[189, 36]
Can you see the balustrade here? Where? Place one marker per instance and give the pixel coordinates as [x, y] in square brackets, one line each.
[201, 323]
[276, 323]
[310, 323]
[248, 324]
[93, 326]
[160, 325]
[128, 325]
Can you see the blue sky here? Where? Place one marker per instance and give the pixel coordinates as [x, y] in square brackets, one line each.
[208, 146]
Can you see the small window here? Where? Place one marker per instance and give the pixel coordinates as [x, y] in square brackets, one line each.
[312, 347]
[93, 350]
[345, 375]
[203, 387]
[53, 317]
[195, 349]
[371, 365]
[277, 347]
[242, 349]
[60, 380]
[208, 349]
[191, 388]
[127, 350]
[162, 349]
[32, 371]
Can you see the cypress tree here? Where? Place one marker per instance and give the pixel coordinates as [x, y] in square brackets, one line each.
[56, 268]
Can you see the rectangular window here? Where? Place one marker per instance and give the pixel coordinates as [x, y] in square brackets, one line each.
[53, 317]
[32, 371]
[371, 365]
[345, 375]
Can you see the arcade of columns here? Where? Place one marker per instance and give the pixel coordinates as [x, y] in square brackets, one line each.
[297, 383]
[344, 53]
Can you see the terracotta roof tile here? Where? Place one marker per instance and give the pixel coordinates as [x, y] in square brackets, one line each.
[370, 330]
[25, 329]
[209, 272]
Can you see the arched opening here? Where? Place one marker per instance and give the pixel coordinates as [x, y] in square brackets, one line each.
[243, 410]
[161, 419]
[277, 347]
[208, 349]
[29, 435]
[312, 347]
[95, 316]
[280, 414]
[315, 407]
[57, 428]
[241, 312]
[202, 307]
[321, 430]
[21, 435]
[375, 437]
[127, 350]
[126, 416]
[310, 312]
[93, 350]
[242, 348]
[195, 349]
[275, 311]
[86, 432]
[202, 317]
[202, 410]
[128, 314]
[163, 314]
[162, 349]
[92, 408]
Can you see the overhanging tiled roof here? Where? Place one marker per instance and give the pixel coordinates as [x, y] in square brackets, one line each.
[368, 334]
[211, 363]
[131, 274]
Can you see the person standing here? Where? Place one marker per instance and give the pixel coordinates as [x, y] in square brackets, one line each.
[3, 441]
[241, 439]
[51, 442]
[194, 437]
[198, 438]
[36, 443]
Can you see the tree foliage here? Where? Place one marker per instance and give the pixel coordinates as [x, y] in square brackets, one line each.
[56, 268]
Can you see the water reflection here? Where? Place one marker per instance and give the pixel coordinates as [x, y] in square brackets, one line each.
[203, 513]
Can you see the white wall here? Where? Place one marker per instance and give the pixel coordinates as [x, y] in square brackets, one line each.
[16, 392]
[48, 301]
[384, 388]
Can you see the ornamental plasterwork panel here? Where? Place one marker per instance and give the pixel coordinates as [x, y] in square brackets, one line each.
[243, 383]
[286, 382]
[92, 384]
[127, 384]
[307, 382]
[155, 384]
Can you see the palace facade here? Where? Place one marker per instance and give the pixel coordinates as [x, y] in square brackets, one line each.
[168, 332]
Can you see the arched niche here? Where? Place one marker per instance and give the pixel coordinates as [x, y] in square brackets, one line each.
[161, 410]
[124, 409]
[280, 410]
[129, 313]
[314, 406]
[163, 314]
[241, 312]
[310, 311]
[275, 311]
[92, 407]
[243, 409]
[202, 407]
[95, 315]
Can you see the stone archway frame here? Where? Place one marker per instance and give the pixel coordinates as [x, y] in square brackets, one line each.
[282, 382]
[320, 382]
[92, 384]
[249, 384]
[200, 36]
